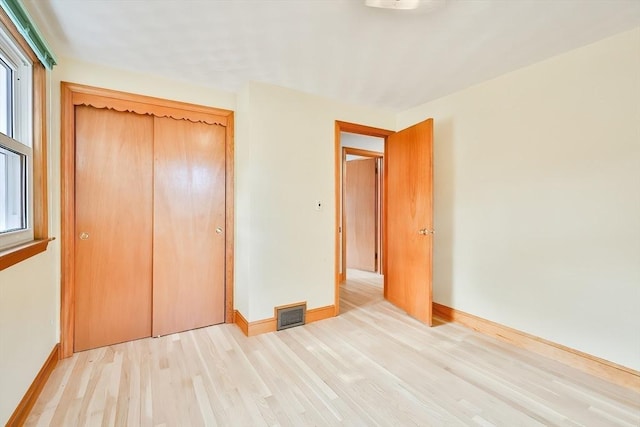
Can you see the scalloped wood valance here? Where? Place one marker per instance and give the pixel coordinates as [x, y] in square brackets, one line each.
[142, 104]
[153, 109]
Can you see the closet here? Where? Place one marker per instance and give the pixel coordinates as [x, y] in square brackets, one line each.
[146, 244]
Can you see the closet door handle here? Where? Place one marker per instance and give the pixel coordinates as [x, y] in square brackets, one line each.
[218, 230]
[84, 236]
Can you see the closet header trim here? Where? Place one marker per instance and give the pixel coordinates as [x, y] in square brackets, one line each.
[140, 104]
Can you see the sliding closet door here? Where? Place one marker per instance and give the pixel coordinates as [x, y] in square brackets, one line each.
[189, 220]
[113, 232]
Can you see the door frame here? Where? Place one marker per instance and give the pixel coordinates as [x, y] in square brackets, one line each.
[379, 200]
[340, 127]
[71, 95]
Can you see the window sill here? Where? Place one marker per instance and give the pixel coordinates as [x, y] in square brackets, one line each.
[16, 254]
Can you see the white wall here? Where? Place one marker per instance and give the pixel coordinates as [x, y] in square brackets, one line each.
[537, 198]
[288, 163]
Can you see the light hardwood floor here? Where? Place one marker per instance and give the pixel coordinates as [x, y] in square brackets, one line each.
[372, 365]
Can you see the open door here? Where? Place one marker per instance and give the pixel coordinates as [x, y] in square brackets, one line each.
[408, 219]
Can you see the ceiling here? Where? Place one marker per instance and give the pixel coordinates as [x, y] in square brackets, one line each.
[340, 49]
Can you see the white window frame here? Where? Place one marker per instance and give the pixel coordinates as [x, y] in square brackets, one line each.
[21, 141]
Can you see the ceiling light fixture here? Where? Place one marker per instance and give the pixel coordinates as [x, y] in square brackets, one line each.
[393, 4]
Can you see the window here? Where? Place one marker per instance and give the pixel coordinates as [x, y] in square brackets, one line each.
[16, 154]
[13, 178]
[24, 58]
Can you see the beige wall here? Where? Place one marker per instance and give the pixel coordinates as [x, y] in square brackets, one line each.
[242, 261]
[28, 322]
[537, 198]
[285, 162]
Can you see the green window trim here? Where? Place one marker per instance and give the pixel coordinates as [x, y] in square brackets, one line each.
[27, 28]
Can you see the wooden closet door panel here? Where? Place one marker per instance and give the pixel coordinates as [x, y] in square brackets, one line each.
[114, 211]
[189, 204]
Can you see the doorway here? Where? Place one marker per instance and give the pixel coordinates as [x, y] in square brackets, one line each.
[364, 146]
[361, 204]
[407, 216]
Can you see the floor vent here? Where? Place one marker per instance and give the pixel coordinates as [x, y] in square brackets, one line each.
[290, 316]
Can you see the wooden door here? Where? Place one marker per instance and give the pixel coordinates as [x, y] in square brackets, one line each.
[361, 206]
[409, 219]
[113, 200]
[189, 220]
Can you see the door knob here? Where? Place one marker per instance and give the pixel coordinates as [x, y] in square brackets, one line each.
[218, 230]
[84, 236]
[425, 231]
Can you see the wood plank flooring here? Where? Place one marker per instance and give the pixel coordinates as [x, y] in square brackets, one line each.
[371, 366]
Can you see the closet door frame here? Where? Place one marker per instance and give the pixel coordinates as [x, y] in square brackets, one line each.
[73, 95]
